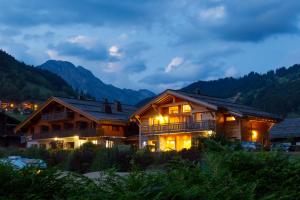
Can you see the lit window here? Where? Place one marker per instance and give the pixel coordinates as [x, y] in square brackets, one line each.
[109, 144]
[187, 144]
[174, 120]
[254, 135]
[161, 119]
[170, 145]
[173, 110]
[230, 118]
[153, 121]
[186, 108]
[94, 141]
[198, 117]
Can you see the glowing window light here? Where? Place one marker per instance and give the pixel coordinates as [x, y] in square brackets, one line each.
[230, 118]
[170, 145]
[12, 105]
[187, 144]
[209, 133]
[173, 110]
[95, 142]
[254, 135]
[186, 108]
[162, 119]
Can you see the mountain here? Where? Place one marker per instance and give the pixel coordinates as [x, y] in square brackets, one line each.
[275, 91]
[82, 79]
[19, 81]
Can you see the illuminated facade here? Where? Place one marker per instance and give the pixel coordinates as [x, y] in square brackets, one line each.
[68, 123]
[174, 119]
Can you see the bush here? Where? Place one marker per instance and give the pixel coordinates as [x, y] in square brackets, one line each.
[80, 160]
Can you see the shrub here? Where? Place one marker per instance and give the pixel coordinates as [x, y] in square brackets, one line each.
[80, 160]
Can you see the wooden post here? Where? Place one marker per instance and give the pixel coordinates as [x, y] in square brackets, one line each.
[140, 135]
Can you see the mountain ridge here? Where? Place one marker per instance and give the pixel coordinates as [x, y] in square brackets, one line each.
[19, 81]
[276, 91]
[84, 80]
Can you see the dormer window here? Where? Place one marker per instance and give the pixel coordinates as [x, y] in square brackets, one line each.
[173, 110]
[186, 108]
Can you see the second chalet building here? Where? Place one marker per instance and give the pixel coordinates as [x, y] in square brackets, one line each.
[68, 123]
[173, 119]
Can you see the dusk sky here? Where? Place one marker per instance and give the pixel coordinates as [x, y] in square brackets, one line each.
[154, 44]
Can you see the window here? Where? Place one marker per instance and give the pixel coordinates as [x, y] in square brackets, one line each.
[230, 118]
[173, 110]
[70, 145]
[170, 145]
[109, 143]
[153, 121]
[186, 108]
[174, 120]
[187, 144]
[198, 117]
[95, 142]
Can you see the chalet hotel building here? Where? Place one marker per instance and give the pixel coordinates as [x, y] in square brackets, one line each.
[170, 121]
[68, 123]
[173, 119]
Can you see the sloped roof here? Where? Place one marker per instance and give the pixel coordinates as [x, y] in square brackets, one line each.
[95, 109]
[231, 106]
[217, 104]
[286, 129]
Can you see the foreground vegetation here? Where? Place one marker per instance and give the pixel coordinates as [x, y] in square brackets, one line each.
[216, 172]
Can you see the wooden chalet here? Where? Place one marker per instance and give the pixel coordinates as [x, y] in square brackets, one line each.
[68, 123]
[7, 125]
[173, 119]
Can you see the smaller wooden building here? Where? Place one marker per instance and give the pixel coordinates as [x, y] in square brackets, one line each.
[287, 131]
[7, 125]
[68, 123]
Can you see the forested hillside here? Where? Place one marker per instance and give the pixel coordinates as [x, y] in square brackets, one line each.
[19, 81]
[275, 91]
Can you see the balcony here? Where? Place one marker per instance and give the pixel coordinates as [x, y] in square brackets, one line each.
[180, 127]
[57, 116]
[68, 133]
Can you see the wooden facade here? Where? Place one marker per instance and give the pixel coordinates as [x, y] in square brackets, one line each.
[68, 123]
[173, 119]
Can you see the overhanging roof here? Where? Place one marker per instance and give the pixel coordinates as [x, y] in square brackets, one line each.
[93, 110]
[288, 128]
[214, 104]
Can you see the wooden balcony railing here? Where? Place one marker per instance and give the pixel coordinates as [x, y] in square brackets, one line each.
[180, 127]
[68, 133]
[56, 116]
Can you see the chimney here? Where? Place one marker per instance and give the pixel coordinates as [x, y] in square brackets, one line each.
[118, 106]
[106, 107]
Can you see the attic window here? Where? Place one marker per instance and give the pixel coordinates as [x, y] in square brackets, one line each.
[186, 108]
[173, 110]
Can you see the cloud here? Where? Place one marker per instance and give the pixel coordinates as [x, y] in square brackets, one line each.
[115, 51]
[181, 71]
[214, 13]
[78, 50]
[62, 12]
[173, 64]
